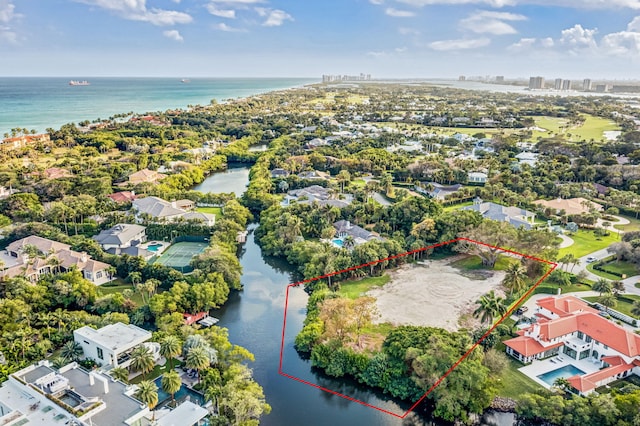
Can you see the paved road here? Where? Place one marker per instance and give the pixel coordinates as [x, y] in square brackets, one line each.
[629, 283]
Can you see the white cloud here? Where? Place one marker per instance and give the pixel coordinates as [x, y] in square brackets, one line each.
[7, 17]
[173, 35]
[547, 42]
[237, 2]
[397, 13]
[634, 25]
[576, 4]
[377, 54]
[522, 45]
[459, 44]
[484, 21]
[623, 43]
[376, 1]
[577, 37]
[136, 10]
[400, 49]
[224, 27]
[223, 13]
[275, 17]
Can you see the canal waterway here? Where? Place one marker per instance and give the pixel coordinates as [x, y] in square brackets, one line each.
[254, 318]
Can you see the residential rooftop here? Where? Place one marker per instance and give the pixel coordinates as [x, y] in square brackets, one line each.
[114, 336]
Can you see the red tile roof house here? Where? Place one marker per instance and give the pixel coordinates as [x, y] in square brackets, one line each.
[123, 197]
[567, 325]
[190, 319]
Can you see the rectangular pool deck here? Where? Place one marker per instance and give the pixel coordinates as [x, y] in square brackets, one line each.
[537, 368]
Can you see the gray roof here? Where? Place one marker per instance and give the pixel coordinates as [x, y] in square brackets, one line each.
[354, 230]
[119, 234]
[501, 213]
[131, 251]
[156, 207]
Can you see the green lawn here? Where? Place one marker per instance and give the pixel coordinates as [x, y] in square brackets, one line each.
[358, 183]
[634, 225]
[103, 290]
[512, 383]
[473, 263]
[592, 128]
[622, 267]
[585, 242]
[456, 206]
[623, 306]
[355, 289]
[552, 288]
[211, 210]
[157, 371]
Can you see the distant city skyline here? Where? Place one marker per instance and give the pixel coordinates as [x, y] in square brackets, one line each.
[575, 39]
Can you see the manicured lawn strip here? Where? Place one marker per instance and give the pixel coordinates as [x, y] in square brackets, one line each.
[620, 267]
[552, 288]
[355, 289]
[585, 242]
[136, 297]
[157, 371]
[358, 183]
[623, 306]
[456, 206]
[211, 210]
[593, 128]
[512, 383]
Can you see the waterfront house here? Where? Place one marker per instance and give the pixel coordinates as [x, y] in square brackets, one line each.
[52, 257]
[345, 228]
[164, 211]
[17, 142]
[111, 344]
[121, 236]
[279, 173]
[569, 327]
[315, 194]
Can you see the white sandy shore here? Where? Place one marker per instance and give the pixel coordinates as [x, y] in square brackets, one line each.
[432, 294]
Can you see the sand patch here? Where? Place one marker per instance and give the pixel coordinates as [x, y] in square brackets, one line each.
[433, 293]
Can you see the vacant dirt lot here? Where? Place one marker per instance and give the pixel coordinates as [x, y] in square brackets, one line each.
[433, 294]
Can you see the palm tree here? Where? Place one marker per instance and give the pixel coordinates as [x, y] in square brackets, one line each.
[349, 242]
[635, 308]
[134, 277]
[171, 383]
[608, 301]
[489, 306]
[515, 278]
[198, 359]
[617, 287]
[71, 351]
[148, 394]
[170, 347]
[602, 286]
[120, 373]
[142, 359]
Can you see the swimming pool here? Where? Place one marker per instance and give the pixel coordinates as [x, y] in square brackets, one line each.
[181, 395]
[338, 242]
[154, 247]
[565, 372]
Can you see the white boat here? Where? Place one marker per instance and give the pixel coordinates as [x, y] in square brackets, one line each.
[79, 83]
[185, 80]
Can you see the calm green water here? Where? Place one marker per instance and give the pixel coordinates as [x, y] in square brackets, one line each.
[254, 318]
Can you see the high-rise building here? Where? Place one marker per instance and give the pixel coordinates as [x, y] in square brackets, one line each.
[536, 82]
[566, 84]
[462, 78]
[557, 84]
[500, 79]
[586, 85]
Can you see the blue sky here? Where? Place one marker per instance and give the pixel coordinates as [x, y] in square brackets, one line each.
[307, 38]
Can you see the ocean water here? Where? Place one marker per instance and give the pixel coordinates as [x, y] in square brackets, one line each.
[40, 103]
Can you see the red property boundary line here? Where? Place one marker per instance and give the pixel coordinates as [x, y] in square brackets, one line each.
[554, 265]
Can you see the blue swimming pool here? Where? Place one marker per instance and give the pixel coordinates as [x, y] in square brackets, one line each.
[565, 372]
[181, 395]
[154, 247]
[338, 242]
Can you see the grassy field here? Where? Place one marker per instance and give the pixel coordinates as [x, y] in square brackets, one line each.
[622, 306]
[355, 289]
[552, 288]
[473, 263]
[592, 128]
[103, 290]
[626, 268]
[211, 210]
[634, 225]
[585, 242]
[157, 371]
[512, 383]
[452, 207]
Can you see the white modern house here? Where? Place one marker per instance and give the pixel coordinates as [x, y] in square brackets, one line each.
[110, 344]
[164, 211]
[477, 178]
[121, 236]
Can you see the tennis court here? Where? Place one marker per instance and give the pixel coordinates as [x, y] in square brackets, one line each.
[178, 255]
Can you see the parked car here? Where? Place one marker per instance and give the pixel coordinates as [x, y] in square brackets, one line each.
[591, 259]
[521, 310]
